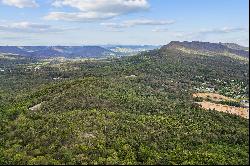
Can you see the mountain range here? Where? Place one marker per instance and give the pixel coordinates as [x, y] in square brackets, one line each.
[196, 47]
[57, 51]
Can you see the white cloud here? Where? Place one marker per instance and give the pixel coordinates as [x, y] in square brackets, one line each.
[92, 10]
[20, 3]
[181, 34]
[105, 6]
[138, 22]
[222, 30]
[80, 17]
[27, 27]
[158, 29]
[207, 32]
[14, 38]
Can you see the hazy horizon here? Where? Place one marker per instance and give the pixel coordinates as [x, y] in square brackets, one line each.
[101, 45]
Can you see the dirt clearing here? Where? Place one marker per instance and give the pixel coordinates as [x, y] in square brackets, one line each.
[210, 101]
[243, 112]
[212, 96]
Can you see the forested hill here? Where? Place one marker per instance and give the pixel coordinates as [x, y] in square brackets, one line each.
[131, 110]
[210, 48]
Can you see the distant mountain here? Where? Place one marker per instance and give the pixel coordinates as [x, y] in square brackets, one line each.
[196, 47]
[131, 46]
[124, 50]
[58, 51]
[235, 46]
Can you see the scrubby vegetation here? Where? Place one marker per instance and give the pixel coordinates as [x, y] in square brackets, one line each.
[133, 110]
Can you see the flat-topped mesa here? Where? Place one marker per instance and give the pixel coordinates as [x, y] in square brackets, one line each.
[198, 46]
[206, 46]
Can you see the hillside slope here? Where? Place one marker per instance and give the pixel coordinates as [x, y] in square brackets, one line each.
[133, 110]
[227, 49]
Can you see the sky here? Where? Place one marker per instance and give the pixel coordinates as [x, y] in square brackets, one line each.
[128, 22]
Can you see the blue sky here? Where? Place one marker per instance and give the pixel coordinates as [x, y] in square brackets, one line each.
[95, 22]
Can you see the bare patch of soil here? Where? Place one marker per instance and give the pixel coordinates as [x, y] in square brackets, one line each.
[36, 107]
[212, 96]
[243, 112]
